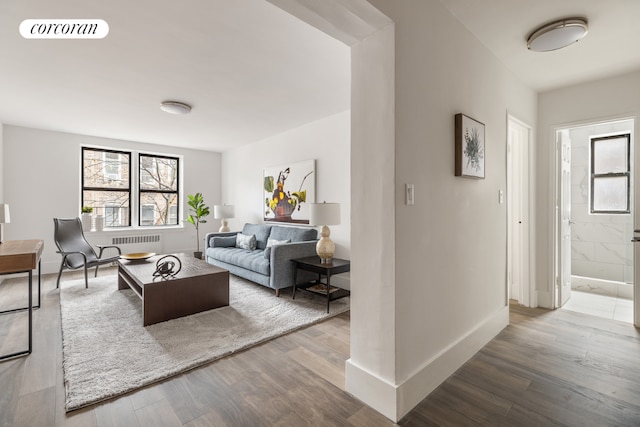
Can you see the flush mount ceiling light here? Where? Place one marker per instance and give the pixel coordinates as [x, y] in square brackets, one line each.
[175, 107]
[557, 34]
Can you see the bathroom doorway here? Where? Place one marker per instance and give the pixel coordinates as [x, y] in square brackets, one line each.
[594, 220]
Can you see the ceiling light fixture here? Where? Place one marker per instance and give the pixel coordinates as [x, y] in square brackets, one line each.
[175, 107]
[557, 34]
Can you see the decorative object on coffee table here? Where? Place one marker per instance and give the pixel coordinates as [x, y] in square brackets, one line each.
[137, 256]
[167, 266]
[198, 210]
[325, 214]
[223, 213]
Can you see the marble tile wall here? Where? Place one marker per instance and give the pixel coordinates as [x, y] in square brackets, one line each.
[601, 245]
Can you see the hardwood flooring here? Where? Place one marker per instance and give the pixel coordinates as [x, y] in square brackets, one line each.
[545, 368]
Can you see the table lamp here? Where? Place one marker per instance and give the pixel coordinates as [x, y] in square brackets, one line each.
[4, 219]
[325, 214]
[223, 212]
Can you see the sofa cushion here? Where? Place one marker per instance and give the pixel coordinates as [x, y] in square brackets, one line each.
[253, 261]
[273, 242]
[293, 234]
[223, 241]
[261, 232]
[246, 241]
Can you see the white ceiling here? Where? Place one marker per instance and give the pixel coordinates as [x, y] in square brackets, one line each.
[249, 69]
[609, 48]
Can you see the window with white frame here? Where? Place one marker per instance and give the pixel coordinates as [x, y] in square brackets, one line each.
[106, 184]
[108, 187]
[610, 174]
[158, 189]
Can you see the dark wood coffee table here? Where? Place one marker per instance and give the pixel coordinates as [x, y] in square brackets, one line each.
[199, 286]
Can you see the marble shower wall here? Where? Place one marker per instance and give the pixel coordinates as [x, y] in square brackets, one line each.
[600, 244]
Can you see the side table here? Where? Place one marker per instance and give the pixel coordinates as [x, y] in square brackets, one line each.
[314, 265]
[22, 256]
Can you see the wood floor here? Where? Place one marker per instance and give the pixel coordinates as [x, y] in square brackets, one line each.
[546, 368]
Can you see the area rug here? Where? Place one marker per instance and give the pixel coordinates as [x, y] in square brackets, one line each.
[107, 351]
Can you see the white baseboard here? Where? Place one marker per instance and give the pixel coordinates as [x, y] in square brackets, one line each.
[371, 389]
[544, 299]
[395, 401]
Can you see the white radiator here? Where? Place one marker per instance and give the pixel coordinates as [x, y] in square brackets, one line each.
[138, 243]
[132, 243]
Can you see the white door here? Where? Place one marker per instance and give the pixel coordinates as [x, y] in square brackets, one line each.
[518, 212]
[564, 203]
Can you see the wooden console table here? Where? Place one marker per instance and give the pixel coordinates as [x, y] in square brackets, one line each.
[22, 256]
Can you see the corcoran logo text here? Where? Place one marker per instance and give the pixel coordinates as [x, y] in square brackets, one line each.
[64, 29]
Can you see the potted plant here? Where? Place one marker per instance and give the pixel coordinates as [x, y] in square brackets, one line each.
[198, 210]
[86, 217]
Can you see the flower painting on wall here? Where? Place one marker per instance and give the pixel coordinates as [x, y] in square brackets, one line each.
[469, 147]
[288, 190]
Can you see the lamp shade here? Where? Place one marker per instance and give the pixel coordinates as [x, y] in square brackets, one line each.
[324, 213]
[4, 214]
[224, 211]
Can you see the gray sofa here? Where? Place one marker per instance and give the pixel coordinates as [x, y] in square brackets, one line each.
[269, 262]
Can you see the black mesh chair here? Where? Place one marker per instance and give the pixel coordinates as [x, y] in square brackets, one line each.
[75, 250]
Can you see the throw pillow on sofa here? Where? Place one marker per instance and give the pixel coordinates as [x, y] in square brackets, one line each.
[244, 241]
[273, 242]
[223, 241]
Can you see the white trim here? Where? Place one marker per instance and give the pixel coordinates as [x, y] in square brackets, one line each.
[528, 294]
[396, 401]
[376, 392]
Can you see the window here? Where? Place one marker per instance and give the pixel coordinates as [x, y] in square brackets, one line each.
[610, 174]
[106, 184]
[111, 216]
[131, 188]
[158, 190]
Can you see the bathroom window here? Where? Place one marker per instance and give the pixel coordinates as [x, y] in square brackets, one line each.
[610, 174]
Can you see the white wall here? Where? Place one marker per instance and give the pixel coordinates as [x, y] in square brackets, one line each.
[601, 245]
[42, 176]
[450, 282]
[612, 98]
[326, 141]
[1, 163]
[441, 291]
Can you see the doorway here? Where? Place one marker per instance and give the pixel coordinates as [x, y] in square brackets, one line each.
[594, 266]
[518, 213]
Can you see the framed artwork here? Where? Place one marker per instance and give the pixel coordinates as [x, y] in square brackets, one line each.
[287, 191]
[470, 147]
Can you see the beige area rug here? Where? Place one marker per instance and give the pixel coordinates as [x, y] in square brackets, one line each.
[107, 351]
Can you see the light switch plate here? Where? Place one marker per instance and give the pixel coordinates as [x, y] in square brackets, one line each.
[409, 194]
